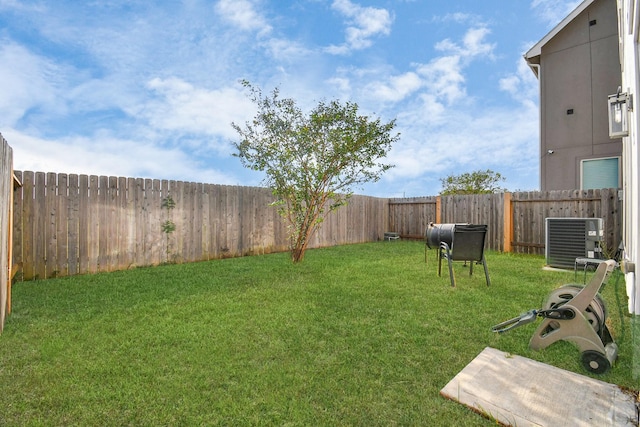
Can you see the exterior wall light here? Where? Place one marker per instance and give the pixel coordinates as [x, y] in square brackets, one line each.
[619, 106]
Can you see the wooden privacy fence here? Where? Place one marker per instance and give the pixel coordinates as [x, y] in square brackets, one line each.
[75, 224]
[410, 216]
[516, 221]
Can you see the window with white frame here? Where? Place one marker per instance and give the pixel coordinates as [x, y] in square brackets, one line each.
[600, 173]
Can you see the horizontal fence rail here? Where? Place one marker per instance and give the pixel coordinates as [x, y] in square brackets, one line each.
[77, 224]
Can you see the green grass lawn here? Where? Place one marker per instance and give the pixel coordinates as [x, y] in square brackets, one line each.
[356, 335]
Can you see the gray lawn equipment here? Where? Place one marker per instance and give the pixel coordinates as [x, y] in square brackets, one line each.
[577, 314]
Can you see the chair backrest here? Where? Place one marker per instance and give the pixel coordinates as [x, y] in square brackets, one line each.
[468, 242]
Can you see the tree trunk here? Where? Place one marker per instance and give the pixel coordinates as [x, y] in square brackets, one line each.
[300, 244]
[297, 254]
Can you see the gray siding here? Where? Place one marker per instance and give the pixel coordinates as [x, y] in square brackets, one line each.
[579, 68]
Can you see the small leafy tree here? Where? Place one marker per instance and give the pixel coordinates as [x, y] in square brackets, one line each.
[312, 161]
[477, 182]
[168, 226]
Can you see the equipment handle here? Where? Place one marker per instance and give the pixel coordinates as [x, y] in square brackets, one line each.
[516, 322]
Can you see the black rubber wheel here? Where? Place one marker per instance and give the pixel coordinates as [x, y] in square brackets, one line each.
[596, 362]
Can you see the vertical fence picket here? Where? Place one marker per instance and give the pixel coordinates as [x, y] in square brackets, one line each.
[83, 224]
[93, 229]
[28, 225]
[166, 215]
[50, 226]
[140, 221]
[223, 229]
[73, 224]
[111, 223]
[196, 222]
[155, 222]
[180, 220]
[146, 208]
[61, 226]
[103, 223]
[121, 225]
[214, 208]
[205, 234]
[18, 226]
[39, 236]
[131, 227]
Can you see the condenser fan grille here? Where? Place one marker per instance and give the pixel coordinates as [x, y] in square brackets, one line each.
[571, 238]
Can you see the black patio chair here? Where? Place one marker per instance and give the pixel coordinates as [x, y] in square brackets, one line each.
[467, 245]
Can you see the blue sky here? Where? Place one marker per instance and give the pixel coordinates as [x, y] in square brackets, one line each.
[149, 89]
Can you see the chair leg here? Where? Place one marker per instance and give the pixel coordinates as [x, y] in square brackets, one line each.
[486, 271]
[443, 247]
[451, 273]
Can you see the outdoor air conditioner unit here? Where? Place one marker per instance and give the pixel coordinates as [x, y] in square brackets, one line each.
[569, 238]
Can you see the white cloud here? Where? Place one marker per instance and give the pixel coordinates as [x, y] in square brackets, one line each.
[243, 14]
[473, 44]
[337, 49]
[428, 110]
[444, 78]
[102, 154]
[460, 142]
[20, 6]
[283, 49]
[363, 23]
[29, 82]
[444, 75]
[188, 109]
[458, 18]
[440, 81]
[397, 87]
[522, 85]
[342, 84]
[553, 11]
[510, 84]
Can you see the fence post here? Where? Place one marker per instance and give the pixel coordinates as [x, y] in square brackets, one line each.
[438, 209]
[508, 223]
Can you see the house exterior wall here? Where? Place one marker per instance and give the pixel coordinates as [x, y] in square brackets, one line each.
[579, 68]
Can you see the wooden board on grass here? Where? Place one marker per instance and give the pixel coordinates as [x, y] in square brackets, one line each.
[521, 392]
